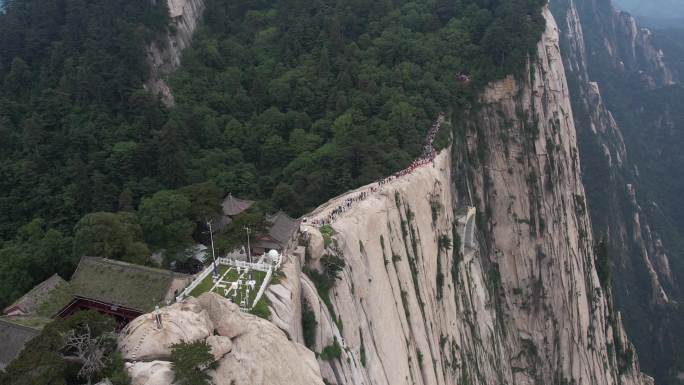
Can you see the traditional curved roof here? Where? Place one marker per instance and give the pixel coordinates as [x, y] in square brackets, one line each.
[233, 206]
[13, 337]
[31, 301]
[282, 229]
[121, 283]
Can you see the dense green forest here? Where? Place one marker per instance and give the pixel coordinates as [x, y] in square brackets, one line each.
[287, 102]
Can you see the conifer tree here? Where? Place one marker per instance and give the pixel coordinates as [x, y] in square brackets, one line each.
[171, 157]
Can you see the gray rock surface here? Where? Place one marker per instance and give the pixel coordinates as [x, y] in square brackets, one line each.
[150, 373]
[249, 350]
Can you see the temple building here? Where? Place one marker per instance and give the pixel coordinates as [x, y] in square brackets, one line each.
[231, 207]
[281, 235]
[118, 289]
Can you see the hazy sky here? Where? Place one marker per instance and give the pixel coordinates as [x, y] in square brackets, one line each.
[653, 8]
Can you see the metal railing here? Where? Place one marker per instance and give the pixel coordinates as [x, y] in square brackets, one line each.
[207, 270]
[267, 268]
[259, 266]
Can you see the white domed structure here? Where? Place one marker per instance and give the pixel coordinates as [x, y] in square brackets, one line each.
[273, 256]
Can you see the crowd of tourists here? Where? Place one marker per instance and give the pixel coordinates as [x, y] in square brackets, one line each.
[426, 158]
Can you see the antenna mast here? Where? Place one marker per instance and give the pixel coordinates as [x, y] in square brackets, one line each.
[249, 251]
[213, 255]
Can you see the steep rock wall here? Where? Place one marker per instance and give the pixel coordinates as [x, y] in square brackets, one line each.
[388, 303]
[536, 227]
[525, 307]
[185, 16]
[605, 52]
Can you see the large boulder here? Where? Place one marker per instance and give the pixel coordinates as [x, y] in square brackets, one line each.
[150, 373]
[248, 349]
[262, 359]
[186, 321]
[226, 316]
[220, 346]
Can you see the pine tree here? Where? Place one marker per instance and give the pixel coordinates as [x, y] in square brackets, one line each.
[171, 157]
[126, 200]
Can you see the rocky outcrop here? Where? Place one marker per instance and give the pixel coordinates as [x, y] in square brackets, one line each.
[249, 350]
[536, 228]
[642, 237]
[165, 57]
[284, 298]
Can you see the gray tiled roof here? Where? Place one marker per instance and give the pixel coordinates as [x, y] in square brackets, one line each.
[283, 228]
[13, 337]
[121, 283]
[233, 206]
[31, 301]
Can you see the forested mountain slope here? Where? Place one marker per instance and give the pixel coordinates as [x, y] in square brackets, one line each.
[75, 126]
[289, 102]
[312, 99]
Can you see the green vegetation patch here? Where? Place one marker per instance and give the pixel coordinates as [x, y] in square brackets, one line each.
[362, 351]
[261, 309]
[190, 362]
[324, 282]
[229, 273]
[332, 351]
[309, 324]
[208, 282]
[327, 232]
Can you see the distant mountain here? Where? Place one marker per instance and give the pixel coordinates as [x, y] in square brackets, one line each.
[653, 8]
[655, 13]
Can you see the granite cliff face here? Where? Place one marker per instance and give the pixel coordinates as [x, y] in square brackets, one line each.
[621, 86]
[185, 17]
[524, 305]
